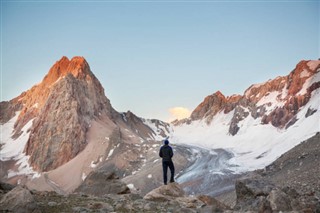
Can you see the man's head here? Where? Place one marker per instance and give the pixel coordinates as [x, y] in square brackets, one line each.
[166, 142]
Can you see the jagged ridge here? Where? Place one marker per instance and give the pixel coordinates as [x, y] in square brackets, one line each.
[276, 101]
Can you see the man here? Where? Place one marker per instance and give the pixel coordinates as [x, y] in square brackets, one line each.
[166, 154]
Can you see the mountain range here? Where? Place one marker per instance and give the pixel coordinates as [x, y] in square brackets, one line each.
[267, 120]
[64, 129]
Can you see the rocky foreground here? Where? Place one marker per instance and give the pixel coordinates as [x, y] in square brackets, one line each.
[169, 198]
[290, 184]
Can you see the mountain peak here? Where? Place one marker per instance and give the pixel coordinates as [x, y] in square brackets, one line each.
[219, 94]
[78, 61]
[77, 66]
[64, 58]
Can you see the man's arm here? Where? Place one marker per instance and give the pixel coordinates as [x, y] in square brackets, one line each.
[160, 152]
[171, 152]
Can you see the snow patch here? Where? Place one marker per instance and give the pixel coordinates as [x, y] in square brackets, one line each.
[93, 164]
[110, 152]
[84, 176]
[131, 186]
[271, 101]
[315, 78]
[124, 117]
[284, 92]
[313, 64]
[13, 149]
[304, 74]
[156, 129]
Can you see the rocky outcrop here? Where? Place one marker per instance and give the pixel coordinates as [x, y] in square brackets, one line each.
[59, 132]
[261, 196]
[9, 108]
[174, 193]
[18, 200]
[165, 193]
[142, 127]
[297, 168]
[276, 101]
[291, 183]
[61, 109]
[122, 203]
[209, 107]
[253, 195]
[99, 183]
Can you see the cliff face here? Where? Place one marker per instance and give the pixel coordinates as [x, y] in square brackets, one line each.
[61, 107]
[276, 101]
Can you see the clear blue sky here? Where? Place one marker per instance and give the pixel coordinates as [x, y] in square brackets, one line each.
[151, 56]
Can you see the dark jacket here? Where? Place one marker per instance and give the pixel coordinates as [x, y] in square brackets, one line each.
[166, 153]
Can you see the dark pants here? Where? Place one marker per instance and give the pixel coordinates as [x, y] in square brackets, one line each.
[165, 165]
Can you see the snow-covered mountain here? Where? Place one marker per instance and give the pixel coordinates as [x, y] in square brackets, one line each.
[257, 127]
[65, 127]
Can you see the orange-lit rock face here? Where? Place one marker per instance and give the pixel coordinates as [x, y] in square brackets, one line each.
[35, 98]
[298, 76]
[211, 105]
[77, 66]
[62, 107]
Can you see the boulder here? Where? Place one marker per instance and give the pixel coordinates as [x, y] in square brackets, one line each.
[165, 193]
[279, 201]
[174, 194]
[19, 200]
[252, 194]
[6, 186]
[217, 206]
[262, 196]
[247, 189]
[99, 183]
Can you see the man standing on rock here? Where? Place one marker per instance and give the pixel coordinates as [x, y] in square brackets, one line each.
[166, 154]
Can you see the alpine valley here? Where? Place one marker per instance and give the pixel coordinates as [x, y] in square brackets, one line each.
[248, 151]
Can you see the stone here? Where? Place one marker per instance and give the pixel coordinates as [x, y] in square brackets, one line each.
[190, 202]
[52, 203]
[252, 188]
[99, 183]
[6, 186]
[217, 206]
[279, 201]
[18, 200]
[165, 193]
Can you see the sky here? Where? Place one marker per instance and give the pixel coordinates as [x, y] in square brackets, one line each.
[158, 59]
